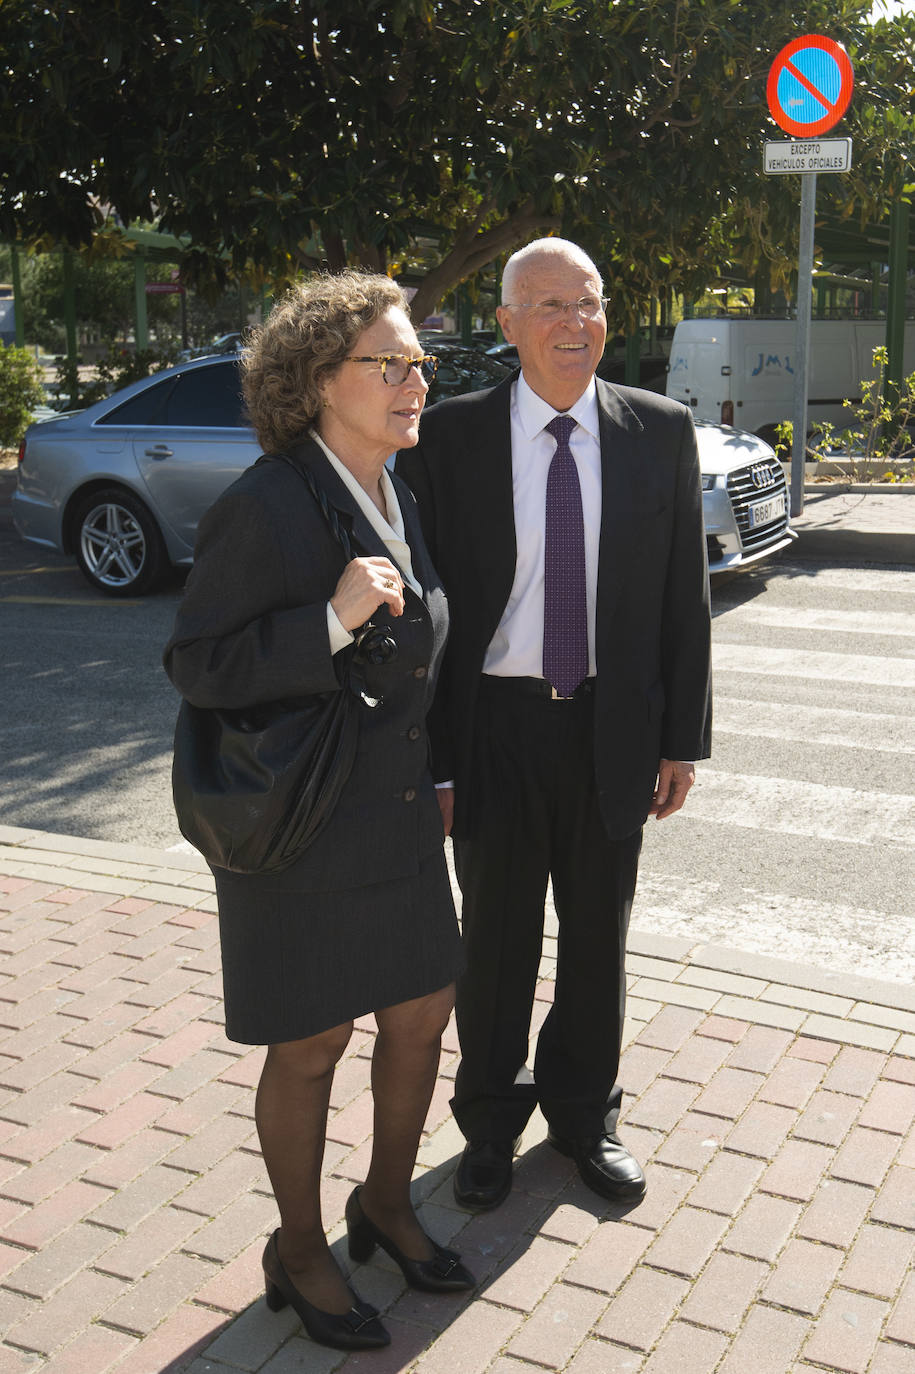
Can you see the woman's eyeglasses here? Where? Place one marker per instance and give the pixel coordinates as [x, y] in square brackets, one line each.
[395, 367]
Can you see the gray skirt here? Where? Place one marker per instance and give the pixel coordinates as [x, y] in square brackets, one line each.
[297, 963]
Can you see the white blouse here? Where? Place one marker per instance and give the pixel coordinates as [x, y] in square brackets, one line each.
[391, 532]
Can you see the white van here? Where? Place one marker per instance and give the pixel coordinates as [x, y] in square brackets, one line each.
[741, 372]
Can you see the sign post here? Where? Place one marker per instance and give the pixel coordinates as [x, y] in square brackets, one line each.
[802, 346]
[808, 91]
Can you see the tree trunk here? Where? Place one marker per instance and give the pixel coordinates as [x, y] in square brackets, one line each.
[371, 255]
[474, 250]
[335, 252]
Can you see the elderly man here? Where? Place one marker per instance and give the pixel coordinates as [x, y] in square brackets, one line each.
[564, 516]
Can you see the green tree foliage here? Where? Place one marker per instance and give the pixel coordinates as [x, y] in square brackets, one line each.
[293, 133]
[883, 118]
[103, 289]
[20, 392]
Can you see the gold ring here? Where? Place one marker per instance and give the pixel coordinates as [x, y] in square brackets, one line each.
[389, 584]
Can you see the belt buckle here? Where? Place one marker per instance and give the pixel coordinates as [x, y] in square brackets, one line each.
[557, 696]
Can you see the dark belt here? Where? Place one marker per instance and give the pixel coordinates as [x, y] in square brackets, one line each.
[532, 687]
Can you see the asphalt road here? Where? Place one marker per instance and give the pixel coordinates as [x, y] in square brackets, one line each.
[797, 841]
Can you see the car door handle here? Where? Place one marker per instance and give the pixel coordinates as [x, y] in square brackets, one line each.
[159, 451]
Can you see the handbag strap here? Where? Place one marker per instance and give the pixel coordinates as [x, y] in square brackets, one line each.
[365, 636]
[320, 495]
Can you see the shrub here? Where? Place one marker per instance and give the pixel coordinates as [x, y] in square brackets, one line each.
[20, 392]
[878, 442]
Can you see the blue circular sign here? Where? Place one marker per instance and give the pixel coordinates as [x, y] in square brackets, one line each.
[810, 84]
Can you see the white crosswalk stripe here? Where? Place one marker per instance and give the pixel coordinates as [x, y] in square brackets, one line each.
[840, 726]
[865, 669]
[798, 839]
[824, 811]
[839, 622]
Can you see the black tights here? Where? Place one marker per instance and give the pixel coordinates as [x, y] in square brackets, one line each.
[291, 1113]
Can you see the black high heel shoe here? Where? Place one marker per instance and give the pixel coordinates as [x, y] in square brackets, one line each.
[444, 1273]
[357, 1329]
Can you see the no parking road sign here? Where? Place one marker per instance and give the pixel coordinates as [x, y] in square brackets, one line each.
[810, 84]
[808, 91]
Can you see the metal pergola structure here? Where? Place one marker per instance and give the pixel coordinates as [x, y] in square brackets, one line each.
[872, 246]
[148, 249]
[148, 246]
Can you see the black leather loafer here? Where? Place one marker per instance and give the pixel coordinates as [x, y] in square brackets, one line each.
[604, 1164]
[483, 1178]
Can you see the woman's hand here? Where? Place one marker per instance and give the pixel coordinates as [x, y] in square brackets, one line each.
[366, 584]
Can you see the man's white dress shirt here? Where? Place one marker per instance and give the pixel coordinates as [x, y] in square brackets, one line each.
[516, 649]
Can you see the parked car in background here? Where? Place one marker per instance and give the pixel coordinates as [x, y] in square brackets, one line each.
[504, 353]
[462, 369]
[226, 343]
[122, 485]
[612, 368]
[744, 497]
[652, 371]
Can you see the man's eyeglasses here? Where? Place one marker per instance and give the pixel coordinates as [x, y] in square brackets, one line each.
[395, 367]
[587, 308]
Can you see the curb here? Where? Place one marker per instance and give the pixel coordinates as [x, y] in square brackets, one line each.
[183, 877]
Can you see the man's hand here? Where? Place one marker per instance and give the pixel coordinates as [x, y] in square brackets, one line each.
[446, 806]
[675, 778]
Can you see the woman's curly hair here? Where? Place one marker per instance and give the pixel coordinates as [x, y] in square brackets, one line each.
[302, 342]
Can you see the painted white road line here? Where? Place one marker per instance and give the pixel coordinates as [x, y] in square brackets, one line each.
[847, 729]
[825, 934]
[863, 669]
[865, 622]
[877, 580]
[789, 807]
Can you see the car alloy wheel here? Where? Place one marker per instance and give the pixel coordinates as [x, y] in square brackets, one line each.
[119, 548]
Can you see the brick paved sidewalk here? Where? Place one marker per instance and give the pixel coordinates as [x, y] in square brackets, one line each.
[773, 1105]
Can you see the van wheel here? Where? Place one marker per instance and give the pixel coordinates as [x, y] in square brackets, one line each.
[769, 436]
[118, 545]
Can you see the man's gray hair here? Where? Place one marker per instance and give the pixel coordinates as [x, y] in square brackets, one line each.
[544, 248]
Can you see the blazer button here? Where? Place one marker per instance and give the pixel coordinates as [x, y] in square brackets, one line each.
[410, 794]
[420, 672]
[414, 732]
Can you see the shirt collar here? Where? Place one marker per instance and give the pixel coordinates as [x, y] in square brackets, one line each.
[534, 413]
[393, 525]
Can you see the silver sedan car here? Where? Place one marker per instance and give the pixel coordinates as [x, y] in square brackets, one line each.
[122, 484]
[744, 497]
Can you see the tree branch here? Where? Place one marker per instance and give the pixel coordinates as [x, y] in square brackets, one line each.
[471, 252]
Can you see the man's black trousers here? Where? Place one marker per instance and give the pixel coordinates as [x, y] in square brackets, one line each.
[534, 816]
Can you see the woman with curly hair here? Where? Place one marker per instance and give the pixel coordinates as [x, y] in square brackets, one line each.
[363, 920]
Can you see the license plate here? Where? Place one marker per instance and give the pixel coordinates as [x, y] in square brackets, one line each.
[764, 512]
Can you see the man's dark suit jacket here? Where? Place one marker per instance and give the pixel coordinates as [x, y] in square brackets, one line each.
[252, 627]
[653, 627]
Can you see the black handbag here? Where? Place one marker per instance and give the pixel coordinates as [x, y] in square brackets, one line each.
[254, 788]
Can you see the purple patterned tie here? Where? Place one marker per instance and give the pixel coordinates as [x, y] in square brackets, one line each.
[565, 605]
